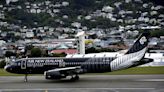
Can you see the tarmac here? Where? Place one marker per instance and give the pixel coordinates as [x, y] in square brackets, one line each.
[87, 83]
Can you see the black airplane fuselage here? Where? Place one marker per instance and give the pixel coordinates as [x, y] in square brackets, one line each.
[40, 65]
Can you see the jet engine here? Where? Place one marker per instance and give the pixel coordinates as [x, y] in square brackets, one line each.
[54, 75]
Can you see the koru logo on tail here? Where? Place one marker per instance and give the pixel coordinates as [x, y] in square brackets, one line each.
[143, 40]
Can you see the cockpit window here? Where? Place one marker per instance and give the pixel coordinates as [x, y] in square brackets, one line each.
[18, 62]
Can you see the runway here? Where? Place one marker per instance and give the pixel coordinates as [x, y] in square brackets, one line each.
[87, 83]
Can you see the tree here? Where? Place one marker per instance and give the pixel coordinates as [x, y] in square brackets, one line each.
[106, 50]
[157, 33]
[91, 50]
[9, 54]
[81, 4]
[36, 52]
[59, 54]
[2, 63]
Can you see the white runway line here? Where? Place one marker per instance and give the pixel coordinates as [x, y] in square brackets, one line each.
[155, 80]
[78, 89]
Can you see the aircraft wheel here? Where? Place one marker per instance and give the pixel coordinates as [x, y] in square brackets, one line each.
[74, 78]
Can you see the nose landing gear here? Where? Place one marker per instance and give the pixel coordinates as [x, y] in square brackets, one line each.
[25, 78]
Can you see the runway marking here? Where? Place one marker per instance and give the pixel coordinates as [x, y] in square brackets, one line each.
[151, 80]
[46, 90]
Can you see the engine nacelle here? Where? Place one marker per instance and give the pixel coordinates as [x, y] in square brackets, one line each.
[54, 75]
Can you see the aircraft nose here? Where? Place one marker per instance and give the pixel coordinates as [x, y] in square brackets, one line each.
[7, 68]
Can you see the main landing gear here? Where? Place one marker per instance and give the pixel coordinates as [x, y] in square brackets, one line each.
[74, 77]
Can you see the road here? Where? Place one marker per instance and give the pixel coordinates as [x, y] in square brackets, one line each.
[87, 83]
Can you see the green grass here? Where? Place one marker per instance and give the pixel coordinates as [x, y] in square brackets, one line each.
[138, 70]
[4, 73]
[135, 70]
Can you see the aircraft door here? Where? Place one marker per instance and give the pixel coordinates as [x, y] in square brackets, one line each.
[23, 64]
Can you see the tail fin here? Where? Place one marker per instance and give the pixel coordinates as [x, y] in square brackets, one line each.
[140, 43]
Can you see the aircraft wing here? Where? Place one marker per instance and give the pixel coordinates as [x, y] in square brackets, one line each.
[59, 73]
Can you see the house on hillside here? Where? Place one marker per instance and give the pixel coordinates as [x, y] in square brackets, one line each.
[63, 48]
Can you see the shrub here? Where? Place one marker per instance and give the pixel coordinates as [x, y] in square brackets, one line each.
[2, 63]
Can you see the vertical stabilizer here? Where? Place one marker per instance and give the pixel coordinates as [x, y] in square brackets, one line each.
[140, 43]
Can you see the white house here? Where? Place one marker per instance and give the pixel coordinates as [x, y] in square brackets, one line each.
[107, 9]
[2, 42]
[29, 34]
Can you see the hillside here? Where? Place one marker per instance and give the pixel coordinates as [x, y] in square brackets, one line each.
[70, 15]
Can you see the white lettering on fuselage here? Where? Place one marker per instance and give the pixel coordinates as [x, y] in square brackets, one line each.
[42, 62]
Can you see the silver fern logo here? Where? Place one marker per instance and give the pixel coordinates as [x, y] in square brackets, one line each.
[143, 40]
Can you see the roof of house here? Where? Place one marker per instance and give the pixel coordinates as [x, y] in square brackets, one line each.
[67, 51]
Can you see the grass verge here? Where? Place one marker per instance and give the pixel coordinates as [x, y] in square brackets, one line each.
[135, 70]
[4, 73]
[138, 70]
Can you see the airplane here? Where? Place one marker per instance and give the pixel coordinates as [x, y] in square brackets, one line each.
[58, 68]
